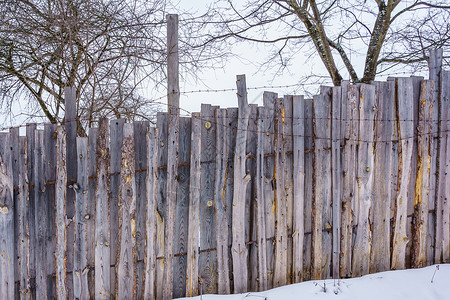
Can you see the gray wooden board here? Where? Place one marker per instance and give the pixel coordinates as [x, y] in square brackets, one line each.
[103, 288]
[384, 104]
[207, 262]
[161, 124]
[364, 179]
[80, 266]
[140, 148]
[126, 261]
[194, 197]
[14, 140]
[115, 142]
[6, 219]
[350, 110]
[182, 209]
[269, 182]
[70, 102]
[309, 177]
[298, 191]
[50, 176]
[30, 134]
[40, 218]
[90, 209]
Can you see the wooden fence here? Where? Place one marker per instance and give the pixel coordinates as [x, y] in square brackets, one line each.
[350, 182]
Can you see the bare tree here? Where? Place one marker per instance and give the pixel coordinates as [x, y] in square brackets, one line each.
[106, 49]
[382, 33]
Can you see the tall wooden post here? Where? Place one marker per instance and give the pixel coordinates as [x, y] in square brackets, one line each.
[173, 82]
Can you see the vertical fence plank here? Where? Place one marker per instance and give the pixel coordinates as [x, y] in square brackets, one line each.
[221, 218]
[350, 111]
[140, 147]
[364, 179]
[384, 105]
[30, 141]
[61, 219]
[40, 222]
[91, 210]
[406, 134]
[6, 219]
[444, 167]
[261, 239]
[194, 209]
[126, 270]
[298, 131]
[102, 215]
[115, 142]
[419, 228]
[241, 179]
[50, 135]
[269, 180]
[14, 139]
[172, 186]
[150, 225]
[80, 267]
[281, 255]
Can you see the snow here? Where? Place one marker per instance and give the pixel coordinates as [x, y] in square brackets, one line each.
[413, 284]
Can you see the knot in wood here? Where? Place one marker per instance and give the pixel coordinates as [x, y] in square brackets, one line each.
[208, 125]
[4, 210]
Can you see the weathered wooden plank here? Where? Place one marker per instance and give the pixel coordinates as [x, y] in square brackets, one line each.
[350, 112]
[14, 140]
[126, 269]
[364, 180]
[208, 261]
[140, 147]
[182, 209]
[241, 179]
[194, 209]
[221, 218]
[90, 210]
[6, 219]
[40, 222]
[173, 82]
[269, 181]
[281, 235]
[80, 266]
[50, 135]
[443, 210]
[406, 134]
[261, 239]
[30, 141]
[322, 217]
[61, 219]
[161, 124]
[336, 176]
[172, 186]
[115, 142]
[384, 105]
[298, 235]
[102, 215]
[70, 129]
[309, 177]
[420, 215]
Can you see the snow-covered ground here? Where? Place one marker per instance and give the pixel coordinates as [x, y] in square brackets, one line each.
[415, 284]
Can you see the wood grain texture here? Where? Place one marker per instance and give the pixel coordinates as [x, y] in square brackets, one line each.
[298, 235]
[81, 188]
[384, 105]
[91, 209]
[30, 141]
[40, 223]
[406, 133]
[221, 218]
[14, 140]
[241, 179]
[193, 245]
[102, 215]
[6, 219]
[364, 181]
[150, 224]
[61, 220]
[126, 269]
[173, 85]
[350, 116]
[419, 228]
